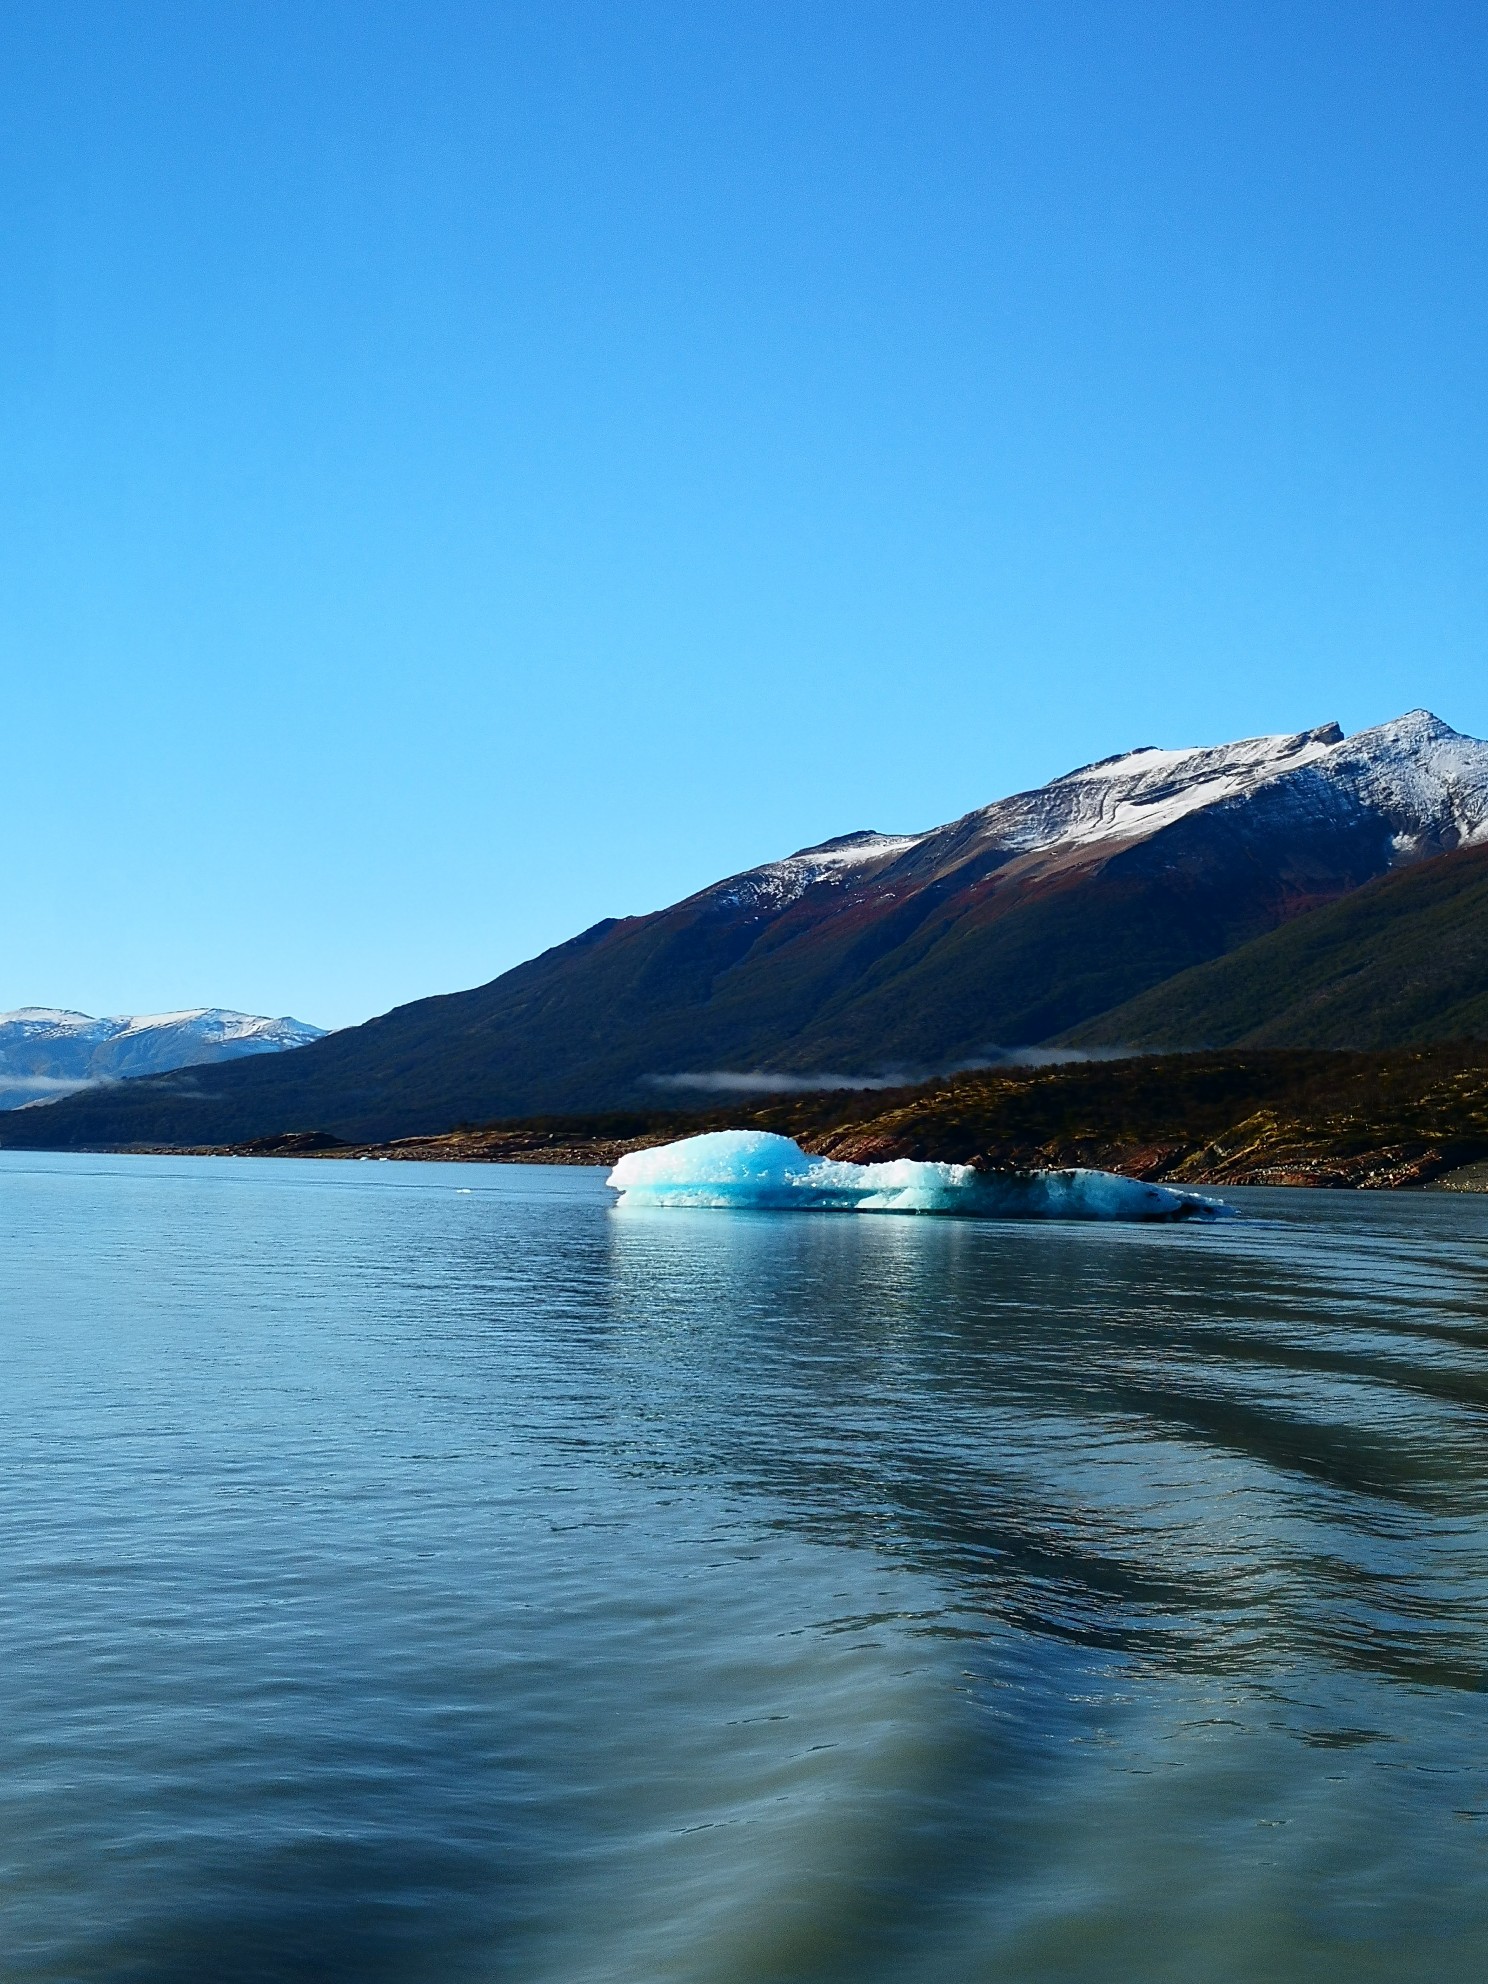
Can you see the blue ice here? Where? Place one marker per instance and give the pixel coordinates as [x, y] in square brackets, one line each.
[755, 1168]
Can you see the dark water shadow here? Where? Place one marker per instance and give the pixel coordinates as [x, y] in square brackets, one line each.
[1209, 1448]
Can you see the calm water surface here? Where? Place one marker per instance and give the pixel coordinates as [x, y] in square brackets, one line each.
[426, 1572]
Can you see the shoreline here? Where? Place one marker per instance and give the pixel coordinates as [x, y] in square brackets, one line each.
[1383, 1120]
[1379, 1170]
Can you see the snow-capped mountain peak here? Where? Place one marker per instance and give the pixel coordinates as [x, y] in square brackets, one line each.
[1430, 779]
[1422, 785]
[1138, 793]
[219, 1024]
[781, 882]
[48, 1051]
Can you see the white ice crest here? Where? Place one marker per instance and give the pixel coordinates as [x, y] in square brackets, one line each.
[754, 1169]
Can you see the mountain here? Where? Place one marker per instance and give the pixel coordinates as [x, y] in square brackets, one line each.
[45, 1052]
[1402, 961]
[872, 953]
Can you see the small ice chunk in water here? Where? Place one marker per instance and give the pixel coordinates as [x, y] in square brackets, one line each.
[755, 1168]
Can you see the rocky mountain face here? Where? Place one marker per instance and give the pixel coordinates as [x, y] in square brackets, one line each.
[46, 1053]
[873, 954]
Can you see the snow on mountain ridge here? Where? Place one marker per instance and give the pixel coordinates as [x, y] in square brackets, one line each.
[52, 1019]
[219, 1020]
[778, 883]
[217, 1023]
[1137, 794]
[48, 1051]
[1427, 781]
[1430, 780]
[1419, 769]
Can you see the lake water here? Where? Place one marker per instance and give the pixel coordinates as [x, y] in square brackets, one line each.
[425, 1572]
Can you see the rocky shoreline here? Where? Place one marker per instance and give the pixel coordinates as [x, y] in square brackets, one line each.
[1376, 1122]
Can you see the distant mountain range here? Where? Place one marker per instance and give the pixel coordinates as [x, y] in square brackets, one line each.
[1058, 920]
[46, 1053]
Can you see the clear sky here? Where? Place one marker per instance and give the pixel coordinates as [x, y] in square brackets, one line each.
[469, 469]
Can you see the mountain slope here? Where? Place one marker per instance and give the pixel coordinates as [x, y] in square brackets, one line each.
[45, 1052]
[1402, 961]
[1005, 928]
[1242, 1116]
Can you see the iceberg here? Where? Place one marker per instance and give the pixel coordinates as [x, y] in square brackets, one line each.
[759, 1170]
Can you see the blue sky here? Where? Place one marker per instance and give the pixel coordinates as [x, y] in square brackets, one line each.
[472, 469]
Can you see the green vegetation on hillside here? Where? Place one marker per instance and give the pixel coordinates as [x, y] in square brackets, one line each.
[1404, 959]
